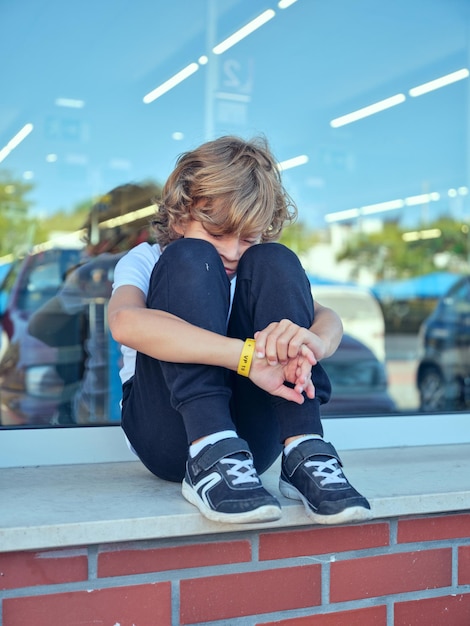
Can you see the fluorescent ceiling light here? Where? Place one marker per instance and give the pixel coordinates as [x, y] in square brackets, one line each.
[462, 191]
[15, 141]
[342, 215]
[127, 218]
[70, 103]
[422, 198]
[448, 79]
[283, 4]
[294, 162]
[368, 110]
[389, 205]
[416, 235]
[431, 233]
[171, 82]
[244, 31]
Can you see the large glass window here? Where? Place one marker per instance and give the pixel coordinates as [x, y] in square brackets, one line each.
[366, 106]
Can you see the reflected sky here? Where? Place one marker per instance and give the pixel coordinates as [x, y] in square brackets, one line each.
[311, 63]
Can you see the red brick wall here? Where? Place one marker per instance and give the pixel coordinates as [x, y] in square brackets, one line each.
[406, 572]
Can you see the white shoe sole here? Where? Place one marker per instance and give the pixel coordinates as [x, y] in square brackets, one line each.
[349, 515]
[267, 513]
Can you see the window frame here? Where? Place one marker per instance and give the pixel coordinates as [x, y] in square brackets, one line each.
[28, 447]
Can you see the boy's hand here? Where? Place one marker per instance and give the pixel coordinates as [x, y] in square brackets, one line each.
[296, 371]
[281, 341]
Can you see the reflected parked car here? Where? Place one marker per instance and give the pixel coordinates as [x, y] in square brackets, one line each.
[443, 375]
[359, 311]
[36, 381]
[358, 380]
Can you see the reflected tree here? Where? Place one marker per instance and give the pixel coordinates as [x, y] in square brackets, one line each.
[16, 227]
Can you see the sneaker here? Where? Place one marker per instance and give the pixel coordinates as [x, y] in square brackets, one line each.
[222, 482]
[312, 473]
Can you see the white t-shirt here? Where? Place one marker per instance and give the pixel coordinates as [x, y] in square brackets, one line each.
[135, 268]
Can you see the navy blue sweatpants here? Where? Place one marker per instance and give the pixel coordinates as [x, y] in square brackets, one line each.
[168, 405]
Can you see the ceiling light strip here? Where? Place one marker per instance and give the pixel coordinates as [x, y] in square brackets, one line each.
[15, 141]
[127, 218]
[338, 216]
[448, 79]
[244, 31]
[171, 82]
[368, 110]
[71, 103]
[294, 162]
[416, 235]
[380, 207]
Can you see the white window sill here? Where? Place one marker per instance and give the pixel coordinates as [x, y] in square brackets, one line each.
[59, 506]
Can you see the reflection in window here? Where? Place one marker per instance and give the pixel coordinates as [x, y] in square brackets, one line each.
[366, 108]
[444, 352]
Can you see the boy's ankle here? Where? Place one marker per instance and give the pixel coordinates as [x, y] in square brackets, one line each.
[200, 444]
[291, 442]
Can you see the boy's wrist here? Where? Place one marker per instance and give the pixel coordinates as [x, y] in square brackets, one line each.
[246, 357]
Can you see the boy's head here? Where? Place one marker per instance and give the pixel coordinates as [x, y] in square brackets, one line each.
[230, 186]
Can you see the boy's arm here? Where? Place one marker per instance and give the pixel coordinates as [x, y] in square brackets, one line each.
[168, 338]
[164, 336]
[328, 327]
[282, 340]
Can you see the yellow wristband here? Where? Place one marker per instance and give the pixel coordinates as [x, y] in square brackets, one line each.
[246, 357]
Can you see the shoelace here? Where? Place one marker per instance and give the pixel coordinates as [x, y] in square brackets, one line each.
[329, 470]
[242, 470]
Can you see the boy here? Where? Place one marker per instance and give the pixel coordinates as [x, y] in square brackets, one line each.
[222, 345]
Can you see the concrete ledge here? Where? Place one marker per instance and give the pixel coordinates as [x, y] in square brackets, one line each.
[74, 505]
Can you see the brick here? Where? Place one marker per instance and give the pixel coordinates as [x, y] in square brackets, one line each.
[391, 573]
[464, 565]
[236, 595]
[145, 605]
[28, 569]
[126, 562]
[282, 545]
[372, 616]
[434, 528]
[445, 611]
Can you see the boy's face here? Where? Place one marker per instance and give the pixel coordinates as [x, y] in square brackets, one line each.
[229, 247]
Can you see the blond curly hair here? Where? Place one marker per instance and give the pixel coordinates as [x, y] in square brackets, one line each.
[229, 185]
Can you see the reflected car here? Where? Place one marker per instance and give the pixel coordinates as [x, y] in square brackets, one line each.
[443, 374]
[36, 381]
[359, 311]
[358, 380]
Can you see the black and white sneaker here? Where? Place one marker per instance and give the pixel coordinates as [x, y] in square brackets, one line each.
[312, 473]
[222, 482]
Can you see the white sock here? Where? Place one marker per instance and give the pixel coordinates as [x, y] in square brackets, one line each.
[295, 443]
[195, 448]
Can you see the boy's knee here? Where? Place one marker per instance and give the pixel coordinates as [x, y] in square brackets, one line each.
[189, 249]
[269, 255]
